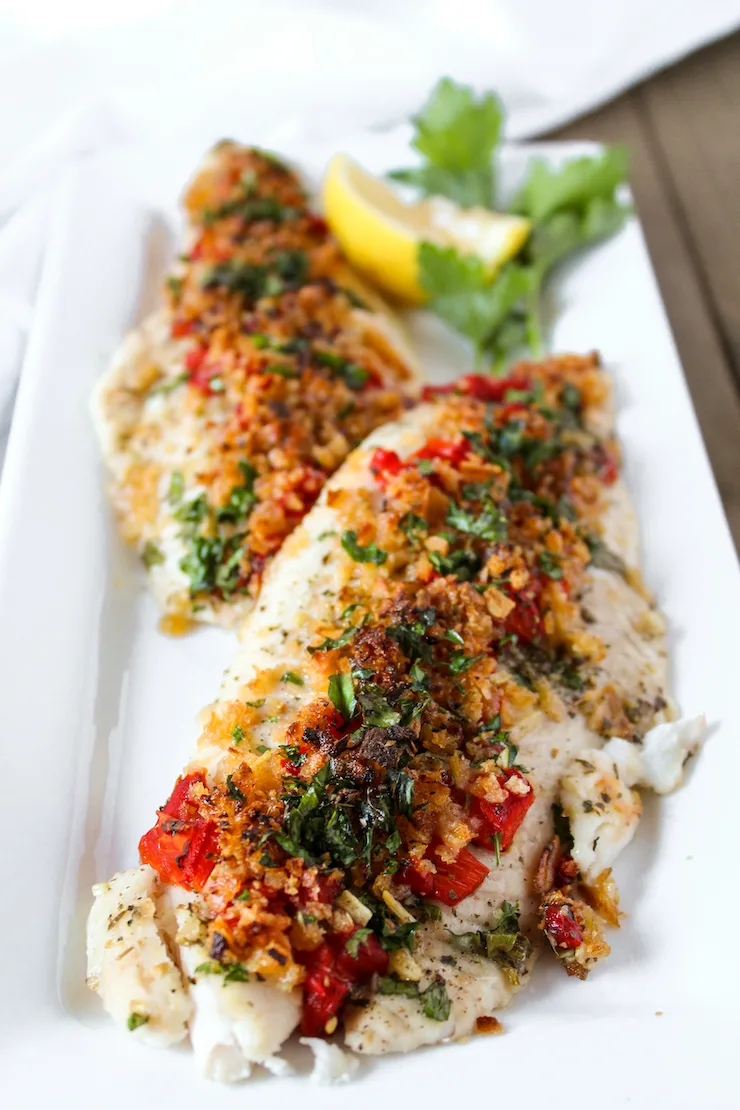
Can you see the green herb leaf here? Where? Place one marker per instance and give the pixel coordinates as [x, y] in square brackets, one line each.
[457, 135]
[376, 709]
[419, 679]
[550, 564]
[435, 1001]
[548, 190]
[465, 297]
[413, 526]
[412, 637]
[489, 524]
[352, 944]
[463, 564]
[135, 1020]
[331, 644]
[360, 554]
[460, 662]
[233, 790]
[342, 695]
[177, 488]
[291, 676]
[237, 734]
[352, 375]
[151, 556]
[242, 497]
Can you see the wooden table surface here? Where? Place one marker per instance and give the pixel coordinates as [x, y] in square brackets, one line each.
[683, 131]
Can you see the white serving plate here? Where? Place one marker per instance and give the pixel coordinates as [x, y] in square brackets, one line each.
[97, 709]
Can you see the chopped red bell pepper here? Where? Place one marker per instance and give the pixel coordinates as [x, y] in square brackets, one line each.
[478, 386]
[201, 372]
[318, 888]
[609, 470]
[451, 882]
[384, 465]
[332, 970]
[562, 927]
[181, 847]
[371, 959]
[324, 994]
[181, 328]
[525, 619]
[501, 817]
[452, 451]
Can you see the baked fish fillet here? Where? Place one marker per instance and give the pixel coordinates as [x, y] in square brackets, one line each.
[224, 413]
[452, 646]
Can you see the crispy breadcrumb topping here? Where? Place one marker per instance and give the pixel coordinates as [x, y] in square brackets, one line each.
[281, 369]
[459, 620]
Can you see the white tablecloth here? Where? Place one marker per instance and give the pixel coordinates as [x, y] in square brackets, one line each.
[76, 75]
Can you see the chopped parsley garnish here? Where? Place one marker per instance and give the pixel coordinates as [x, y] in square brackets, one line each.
[435, 1002]
[135, 1020]
[412, 637]
[368, 554]
[242, 497]
[413, 526]
[336, 817]
[460, 662]
[281, 370]
[232, 973]
[463, 564]
[550, 564]
[294, 754]
[151, 555]
[237, 734]
[177, 488]
[342, 695]
[352, 944]
[332, 644]
[504, 943]
[489, 524]
[353, 376]
[233, 790]
[291, 676]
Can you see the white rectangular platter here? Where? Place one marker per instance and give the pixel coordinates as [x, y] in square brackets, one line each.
[97, 709]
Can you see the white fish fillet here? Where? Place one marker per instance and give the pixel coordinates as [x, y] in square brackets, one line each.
[297, 596]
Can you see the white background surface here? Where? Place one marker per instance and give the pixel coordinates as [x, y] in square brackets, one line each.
[97, 714]
[81, 75]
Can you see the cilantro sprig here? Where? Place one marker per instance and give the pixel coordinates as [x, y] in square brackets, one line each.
[569, 208]
[457, 136]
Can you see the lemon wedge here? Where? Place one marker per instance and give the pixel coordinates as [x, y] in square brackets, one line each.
[380, 235]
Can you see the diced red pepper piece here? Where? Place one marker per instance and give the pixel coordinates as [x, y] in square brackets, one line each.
[451, 882]
[179, 804]
[201, 372]
[502, 817]
[324, 994]
[525, 619]
[371, 959]
[562, 927]
[452, 451]
[478, 386]
[332, 969]
[385, 464]
[609, 470]
[181, 328]
[318, 888]
[181, 847]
